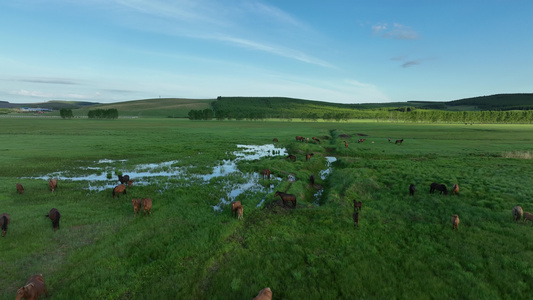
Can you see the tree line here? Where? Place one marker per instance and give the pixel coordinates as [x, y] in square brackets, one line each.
[111, 113]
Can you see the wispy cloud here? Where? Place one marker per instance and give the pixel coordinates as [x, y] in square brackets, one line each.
[406, 62]
[46, 80]
[41, 94]
[219, 21]
[395, 31]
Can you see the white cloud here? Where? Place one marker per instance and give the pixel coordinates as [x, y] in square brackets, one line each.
[397, 31]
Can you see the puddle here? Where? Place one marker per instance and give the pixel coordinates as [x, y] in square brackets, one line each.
[145, 174]
[324, 175]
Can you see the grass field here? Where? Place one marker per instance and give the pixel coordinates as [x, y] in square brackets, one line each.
[404, 247]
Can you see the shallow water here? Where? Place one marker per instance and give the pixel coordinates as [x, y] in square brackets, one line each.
[94, 177]
[324, 175]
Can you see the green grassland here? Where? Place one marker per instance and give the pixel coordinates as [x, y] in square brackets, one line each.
[404, 247]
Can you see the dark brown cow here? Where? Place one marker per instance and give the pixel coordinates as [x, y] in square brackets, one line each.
[355, 219]
[286, 197]
[121, 188]
[312, 179]
[308, 156]
[361, 140]
[357, 205]
[275, 140]
[412, 189]
[345, 144]
[316, 139]
[399, 141]
[33, 288]
[439, 187]
[5, 219]
[52, 184]
[54, 216]
[123, 179]
[136, 205]
[147, 206]
[264, 294]
[235, 207]
[291, 157]
[300, 138]
[266, 173]
[20, 188]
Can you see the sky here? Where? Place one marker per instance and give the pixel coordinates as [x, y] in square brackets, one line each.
[341, 51]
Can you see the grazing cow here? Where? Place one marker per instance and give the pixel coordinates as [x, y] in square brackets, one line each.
[399, 141]
[121, 188]
[455, 222]
[291, 157]
[54, 216]
[264, 294]
[130, 183]
[361, 140]
[20, 188]
[355, 219]
[266, 173]
[52, 184]
[300, 138]
[33, 288]
[235, 207]
[240, 212]
[517, 213]
[528, 216]
[147, 206]
[439, 187]
[123, 179]
[136, 206]
[286, 197]
[357, 205]
[316, 139]
[455, 189]
[345, 144]
[312, 179]
[308, 156]
[412, 189]
[275, 140]
[5, 219]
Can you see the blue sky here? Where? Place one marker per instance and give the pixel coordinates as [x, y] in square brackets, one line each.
[343, 51]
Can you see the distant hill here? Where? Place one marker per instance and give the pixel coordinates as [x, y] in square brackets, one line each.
[276, 107]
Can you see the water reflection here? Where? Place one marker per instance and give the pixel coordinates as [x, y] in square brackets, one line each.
[324, 175]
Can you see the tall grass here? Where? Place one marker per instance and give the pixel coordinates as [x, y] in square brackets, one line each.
[403, 248]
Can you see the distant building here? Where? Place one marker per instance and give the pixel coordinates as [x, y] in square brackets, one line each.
[32, 109]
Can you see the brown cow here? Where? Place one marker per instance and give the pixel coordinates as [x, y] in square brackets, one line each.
[518, 212]
[316, 139]
[455, 222]
[20, 188]
[291, 157]
[286, 197]
[399, 141]
[300, 138]
[240, 212]
[5, 219]
[266, 172]
[312, 179]
[308, 156]
[455, 189]
[136, 206]
[52, 184]
[33, 288]
[528, 216]
[361, 140]
[121, 188]
[235, 207]
[345, 144]
[275, 140]
[147, 206]
[264, 294]
[54, 216]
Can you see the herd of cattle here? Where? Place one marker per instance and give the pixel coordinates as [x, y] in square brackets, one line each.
[35, 285]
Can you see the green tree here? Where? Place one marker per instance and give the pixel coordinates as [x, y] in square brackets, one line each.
[66, 113]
